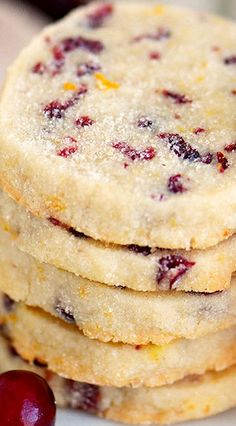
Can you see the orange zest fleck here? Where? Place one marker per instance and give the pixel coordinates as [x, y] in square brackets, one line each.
[104, 84]
[69, 86]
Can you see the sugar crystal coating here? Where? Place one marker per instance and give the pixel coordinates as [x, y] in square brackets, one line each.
[160, 94]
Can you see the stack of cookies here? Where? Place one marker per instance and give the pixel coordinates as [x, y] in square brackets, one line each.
[117, 212]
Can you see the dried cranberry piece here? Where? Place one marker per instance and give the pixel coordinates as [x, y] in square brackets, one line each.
[144, 250]
[207, 158]
[84, 121]
[77, 234]
[175, 184]
[135, 154]
[83, 396]
[58, 53]
[96, 18]
[69, 44]
[178, 98]
[231, 147]
[154, 56]
[8, 303]
[145, 123]
[65, 312]
[57, 222]
[161, 34]
[87, 68]
[138, 347]
[180, 148]
[68, 228]
[76, 97]
[222, 162]
[171, 269]
[67, 151]
[26, 399]
[58, 61]
[198, 130]
[54, 109]
[230, 60]
[39, 68]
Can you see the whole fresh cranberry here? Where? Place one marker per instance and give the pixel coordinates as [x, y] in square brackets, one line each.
[26, 400]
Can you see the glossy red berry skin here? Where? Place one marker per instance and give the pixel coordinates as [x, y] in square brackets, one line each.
[26, 400]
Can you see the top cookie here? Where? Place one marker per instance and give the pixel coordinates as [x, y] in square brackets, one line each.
[120, 122]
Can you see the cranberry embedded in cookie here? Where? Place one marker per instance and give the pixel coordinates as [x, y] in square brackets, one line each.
[143, 108]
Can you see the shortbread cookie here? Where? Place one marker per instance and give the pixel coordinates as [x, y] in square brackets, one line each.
[112, 314]
[69, 353]
[138, 268]
[126, 132]
[192, 398]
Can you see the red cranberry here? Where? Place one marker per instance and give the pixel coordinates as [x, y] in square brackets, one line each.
[178, 98]
[26, 400]
[71, 44]
[39, 68]
[65, 312]
[231, 147]
[161, 34]
[98, 16]
[135, 154]
[67, 151]
[144, 250]
[155, 56]
[56, 109]
[68, 228]
[83, 396]
[230, 60]
[222, 162]
[84, 121]
[180, 148]
[57, 222]
[170, 269]
[145, 123]
[138, 347]
[87, 68]
[198, 130]
[175, 184]
[207, 158]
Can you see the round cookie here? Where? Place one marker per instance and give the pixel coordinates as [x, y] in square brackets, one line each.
[112, 314]
[138, 268]
[192, 398]
[69, 353]
[126, 132]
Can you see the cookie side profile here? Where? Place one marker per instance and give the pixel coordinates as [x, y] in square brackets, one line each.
[112, 314]
[36, 334]
[134, 267]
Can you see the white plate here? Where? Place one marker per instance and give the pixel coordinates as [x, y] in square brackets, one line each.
[69, 418]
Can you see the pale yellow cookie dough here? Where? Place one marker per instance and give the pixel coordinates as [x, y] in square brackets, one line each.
[125, 132]
[114, 265]
[69, 353]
